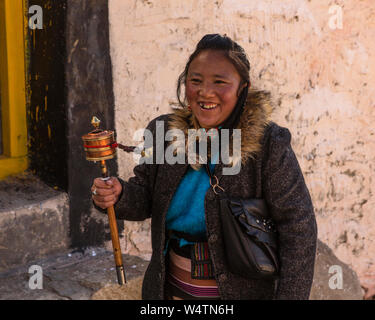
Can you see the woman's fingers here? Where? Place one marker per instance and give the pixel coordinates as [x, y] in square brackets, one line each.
[101, 188]
[110, 198]
[115, 184]
[104, 205]
[102, 191]
[106, 192]
[104, 196]
[104, 202]
[100, 183]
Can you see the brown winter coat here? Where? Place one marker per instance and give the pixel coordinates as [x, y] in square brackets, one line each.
[149, 193]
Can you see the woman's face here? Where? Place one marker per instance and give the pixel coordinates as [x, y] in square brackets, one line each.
[212, 84]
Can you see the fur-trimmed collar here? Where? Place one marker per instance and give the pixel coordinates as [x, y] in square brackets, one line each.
[255, 117]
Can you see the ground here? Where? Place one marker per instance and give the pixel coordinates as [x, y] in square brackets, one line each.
[85, 275]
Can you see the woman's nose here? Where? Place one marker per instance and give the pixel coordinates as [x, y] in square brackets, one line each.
[206, 90]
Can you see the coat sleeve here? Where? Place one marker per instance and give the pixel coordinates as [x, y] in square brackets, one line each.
[135, 201]
[291, 208]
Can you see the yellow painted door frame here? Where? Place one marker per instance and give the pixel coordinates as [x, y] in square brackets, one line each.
[13, 87]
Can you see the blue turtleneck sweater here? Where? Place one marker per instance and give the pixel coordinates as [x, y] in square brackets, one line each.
[186, 212]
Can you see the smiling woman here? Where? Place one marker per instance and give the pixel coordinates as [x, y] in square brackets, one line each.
[192, 248]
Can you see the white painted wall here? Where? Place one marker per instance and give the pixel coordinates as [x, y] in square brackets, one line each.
[321, 79]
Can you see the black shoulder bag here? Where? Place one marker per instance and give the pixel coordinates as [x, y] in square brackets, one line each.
[250, 236]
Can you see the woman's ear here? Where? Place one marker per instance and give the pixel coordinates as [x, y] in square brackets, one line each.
[242, 86]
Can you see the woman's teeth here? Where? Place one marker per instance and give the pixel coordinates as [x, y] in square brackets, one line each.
[208, 106]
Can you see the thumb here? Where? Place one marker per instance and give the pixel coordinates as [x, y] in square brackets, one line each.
[117, 187]
[109, 182]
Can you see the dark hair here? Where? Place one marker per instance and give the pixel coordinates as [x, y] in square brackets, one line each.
[233, 51]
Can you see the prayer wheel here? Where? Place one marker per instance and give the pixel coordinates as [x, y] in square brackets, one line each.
[99, 144]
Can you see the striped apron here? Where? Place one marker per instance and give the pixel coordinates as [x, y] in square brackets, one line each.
[190, 278]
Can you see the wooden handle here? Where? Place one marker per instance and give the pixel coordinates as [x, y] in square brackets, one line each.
[114, 235]
[116, 246]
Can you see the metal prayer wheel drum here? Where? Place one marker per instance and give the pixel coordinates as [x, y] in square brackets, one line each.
[99, 145]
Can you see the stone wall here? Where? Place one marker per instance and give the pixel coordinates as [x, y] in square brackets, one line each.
[89, 92]
[34, 221]
[321, 77]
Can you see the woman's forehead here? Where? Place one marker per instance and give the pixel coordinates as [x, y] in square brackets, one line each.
[212, 63]
[216, 74]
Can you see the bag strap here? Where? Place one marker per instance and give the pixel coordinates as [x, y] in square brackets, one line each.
[258, 178]
[258, 165]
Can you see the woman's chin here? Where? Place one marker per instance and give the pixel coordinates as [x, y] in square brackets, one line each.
[207, 124]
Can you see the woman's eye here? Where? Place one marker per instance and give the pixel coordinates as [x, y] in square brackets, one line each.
[195, 80]
[219, 81]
